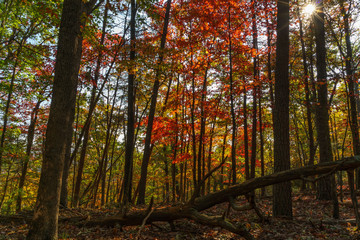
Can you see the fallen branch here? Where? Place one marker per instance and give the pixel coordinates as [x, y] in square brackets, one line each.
[192, 209]
[149, 211]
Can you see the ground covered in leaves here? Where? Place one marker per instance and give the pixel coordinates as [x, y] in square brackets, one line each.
[312, 220]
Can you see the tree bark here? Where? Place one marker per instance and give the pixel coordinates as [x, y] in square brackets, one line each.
[45, 221]
[255, 90]
[282, 205]
[130, 132]
[324, 187]
[312, 148]
[246, 136]
[232, 107]
[351, 85]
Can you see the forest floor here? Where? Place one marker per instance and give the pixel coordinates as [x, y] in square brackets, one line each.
[312, 220]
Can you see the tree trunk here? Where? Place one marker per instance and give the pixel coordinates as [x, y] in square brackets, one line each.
[130, 132]
[232, 107]
[30, 140]
[223, 157]
[147, 148]
[312, 148]
[6, 114]
[282, 205]
[92, 105]
[261, 136]
[255, 90]
[82, 157]
[65, 176]
[324, 188]
[351, 85]
[45, 221]
[246, 136]
[200, 155]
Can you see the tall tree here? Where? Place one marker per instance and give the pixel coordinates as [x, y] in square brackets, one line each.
[312, 148]
[232, 107]
[322, 114]
[282, 205]
[351, 84]
[255, 90]
[45, 221]
[147, 149]
[29, 144]
[130, 130]
[92, 104]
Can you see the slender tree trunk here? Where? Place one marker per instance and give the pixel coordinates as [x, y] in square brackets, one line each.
[200, 155]
[309, 111]
[210, 155]
[30, 140]
[282, 205]
[192, 113]
[268, 62]
[271, 92]
[255, 90]
[129, 148]
[92, 105]
[246, 136]
[83, 155]
[261, 126]
[6, 114]
[232, 105]
[223, 157]
[147, 149]
[64, 185]
[6, 184]
[167, 184]
[351, 85]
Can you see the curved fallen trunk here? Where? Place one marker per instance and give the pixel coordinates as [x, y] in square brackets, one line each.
[192, 209]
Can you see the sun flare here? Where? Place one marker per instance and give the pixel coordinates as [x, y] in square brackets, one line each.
[309, 9]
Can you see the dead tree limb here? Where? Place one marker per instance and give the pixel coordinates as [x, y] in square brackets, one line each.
[192, 209]
[218, 197]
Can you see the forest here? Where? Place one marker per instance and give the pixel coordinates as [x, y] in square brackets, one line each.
[179, 119]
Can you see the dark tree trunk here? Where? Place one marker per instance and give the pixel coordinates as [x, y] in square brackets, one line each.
[130, 132]
[322, 115]
[351, 85]
[246, 136]
[282, 205]
[212, 131]
[45, 221]
[6, 114]
[309, 111]
[261, 136]
[69, 158]
[30, 140]
[268, 61]
[64, 185]
[232, 107]
[200, 155]
[255, 90]
[83, 154]
[147, 149]
[223, 157]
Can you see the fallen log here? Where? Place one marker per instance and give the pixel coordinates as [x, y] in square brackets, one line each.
[192, 209]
